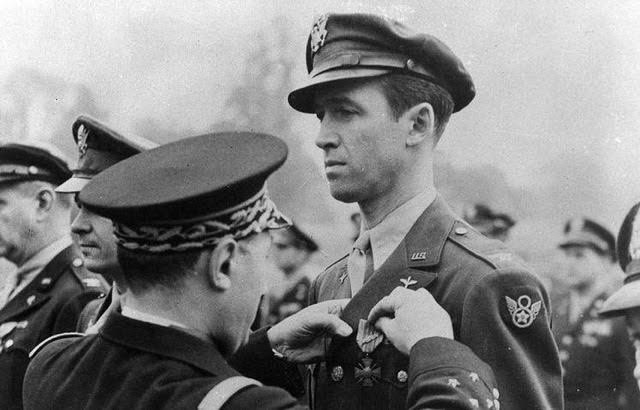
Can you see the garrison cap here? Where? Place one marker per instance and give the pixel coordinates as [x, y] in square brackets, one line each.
[588, 233]
[628, 247]
[190, 193]
[349, 46]
[22, 163]
[488, 222]
[99, 147]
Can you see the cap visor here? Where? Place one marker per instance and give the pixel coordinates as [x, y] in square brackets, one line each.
[625, 298]
[72, 185]
[301, 99]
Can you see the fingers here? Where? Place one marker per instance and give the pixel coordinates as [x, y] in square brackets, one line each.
[385, 307]
[333, 307]
[334, 325]
[384, 324]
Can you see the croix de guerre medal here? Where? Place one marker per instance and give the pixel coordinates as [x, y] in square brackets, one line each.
[368, 338]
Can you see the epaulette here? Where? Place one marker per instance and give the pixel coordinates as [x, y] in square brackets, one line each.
[491, 251]
[89, 280]
[53, 338]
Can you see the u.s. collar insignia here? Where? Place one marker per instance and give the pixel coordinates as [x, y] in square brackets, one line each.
[523, 312]
[83, 134]
[318, 33]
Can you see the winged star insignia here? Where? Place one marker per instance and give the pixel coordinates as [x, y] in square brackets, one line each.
[318, 33]
[523, 312]
[83, 134]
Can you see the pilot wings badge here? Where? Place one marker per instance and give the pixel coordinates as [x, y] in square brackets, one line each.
[523, 312]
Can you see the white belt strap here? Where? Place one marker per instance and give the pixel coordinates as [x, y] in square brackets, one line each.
[223, 391]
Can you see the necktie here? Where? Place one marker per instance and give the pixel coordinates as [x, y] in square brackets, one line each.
[360, 262]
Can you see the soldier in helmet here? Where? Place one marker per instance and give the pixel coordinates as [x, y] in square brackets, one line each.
[596, 357]
[383, 95]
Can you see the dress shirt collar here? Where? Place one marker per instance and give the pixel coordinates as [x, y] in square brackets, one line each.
[389, 233]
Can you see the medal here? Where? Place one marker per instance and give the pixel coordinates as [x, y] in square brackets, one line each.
[368, 337]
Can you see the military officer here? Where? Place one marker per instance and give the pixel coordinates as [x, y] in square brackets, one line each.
[495, 225]
[383, 95]
[49, 288]
[291, 251]
[626, 300]
[191, 257]
[99, 147]
[596, 357]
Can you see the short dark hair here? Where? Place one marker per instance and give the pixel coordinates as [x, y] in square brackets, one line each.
[143, 271]
[404, 91]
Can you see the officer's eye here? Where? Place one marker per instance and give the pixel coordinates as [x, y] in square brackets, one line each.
[77, 201]
[320, 115]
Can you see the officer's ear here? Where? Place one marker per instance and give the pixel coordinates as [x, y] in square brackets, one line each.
[221, 262]
[45, 198]
[421, 123]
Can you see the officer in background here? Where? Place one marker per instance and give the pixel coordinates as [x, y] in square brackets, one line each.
[596, 356]
[625, 301]
[292, 250]
[491, 224]
[49, 288]
[383, 95]
[99, 147]
[191, 256]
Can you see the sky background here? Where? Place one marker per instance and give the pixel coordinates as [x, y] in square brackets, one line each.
[557, 103]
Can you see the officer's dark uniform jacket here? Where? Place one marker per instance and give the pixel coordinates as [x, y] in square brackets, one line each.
[48, 305]
[131, 364]
[490, 295]
[597, 360]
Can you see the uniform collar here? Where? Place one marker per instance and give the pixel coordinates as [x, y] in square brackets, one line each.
[24, 274]
[165, 341]
[149, 318]
[411, 262]
[386, 235]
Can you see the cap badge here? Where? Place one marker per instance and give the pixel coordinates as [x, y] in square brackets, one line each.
[318, 33]
[83, 134]
[523, 312]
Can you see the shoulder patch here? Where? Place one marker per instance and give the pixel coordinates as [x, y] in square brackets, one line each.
[53, 338]
[223, 391]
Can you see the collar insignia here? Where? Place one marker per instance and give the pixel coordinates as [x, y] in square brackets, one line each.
[408, 282]
[318, 33]
[83, 134]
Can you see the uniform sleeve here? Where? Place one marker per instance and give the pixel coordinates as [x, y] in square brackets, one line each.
[445, 374]
[256, 360]
[506, 322]
[628, 393]
[67, 318]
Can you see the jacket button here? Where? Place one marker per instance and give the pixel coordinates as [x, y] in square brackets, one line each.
[461, 230]
[31, 299]
[402, 376]
[8, 343]
[337, 373]
[77, 262]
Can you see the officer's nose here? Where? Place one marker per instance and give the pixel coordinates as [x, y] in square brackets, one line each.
[327, 136]
[80, 223]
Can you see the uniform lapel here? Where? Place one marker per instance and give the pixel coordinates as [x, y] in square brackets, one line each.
[412, 262]
[36, 292]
